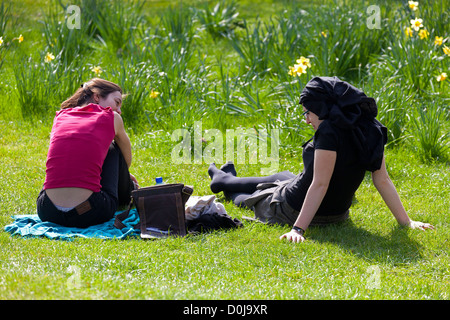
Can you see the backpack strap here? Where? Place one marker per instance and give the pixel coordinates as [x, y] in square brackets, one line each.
[122, 216]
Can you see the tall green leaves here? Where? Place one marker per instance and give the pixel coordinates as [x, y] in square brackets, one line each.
[433, 138]
[206, 61]
[114, 22]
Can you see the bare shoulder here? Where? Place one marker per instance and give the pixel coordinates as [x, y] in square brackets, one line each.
[117, 116]
[118, 123]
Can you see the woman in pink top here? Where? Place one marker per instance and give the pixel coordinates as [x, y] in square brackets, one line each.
[87, 175]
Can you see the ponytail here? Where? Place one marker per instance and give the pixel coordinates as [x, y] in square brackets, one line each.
[85, 94]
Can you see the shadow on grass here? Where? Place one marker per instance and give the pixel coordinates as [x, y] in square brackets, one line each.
[395, 248]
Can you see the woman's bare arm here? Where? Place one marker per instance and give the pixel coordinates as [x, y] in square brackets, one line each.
[387, 190]
[324, 162]
[122, 139]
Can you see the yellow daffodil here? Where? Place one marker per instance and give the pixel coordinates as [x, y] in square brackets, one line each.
[291, 71]
[441, 77]
[446, 50]
[19, 38]
[154, 94]
[423, 34]
[297, 70]
[97, 70]
[438, 40]
[413, 5]
[416, 24]
[1, 41]
[408, 32]
[49, 57]
[304, 61]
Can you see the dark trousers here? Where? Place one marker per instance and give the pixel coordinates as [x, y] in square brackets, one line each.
[100, 206]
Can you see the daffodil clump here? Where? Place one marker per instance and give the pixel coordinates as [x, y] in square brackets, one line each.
[417, 26]
[4, 45]
[19, 39]
[300, 67]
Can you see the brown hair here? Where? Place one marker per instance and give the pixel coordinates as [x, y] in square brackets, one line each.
[85, 94]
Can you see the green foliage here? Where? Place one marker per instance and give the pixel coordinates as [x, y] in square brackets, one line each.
[69, 44]
[42, 86]
[433, 139]
[340, 40]
[221, 20]
[134, 79]
[5, 17]
[114, 23]
[208, 62]
[255, 47]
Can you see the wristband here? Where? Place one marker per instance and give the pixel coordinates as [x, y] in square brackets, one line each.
[299, 230]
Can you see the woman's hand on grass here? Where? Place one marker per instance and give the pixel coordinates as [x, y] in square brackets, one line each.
[293, 236]
[419, 225]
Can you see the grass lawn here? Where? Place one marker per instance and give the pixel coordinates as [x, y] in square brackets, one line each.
[231, 73]
[367, 257]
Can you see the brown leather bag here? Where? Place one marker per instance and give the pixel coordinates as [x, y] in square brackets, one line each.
[161, 210]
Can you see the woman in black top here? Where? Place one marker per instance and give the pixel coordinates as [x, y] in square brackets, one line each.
[348, 140]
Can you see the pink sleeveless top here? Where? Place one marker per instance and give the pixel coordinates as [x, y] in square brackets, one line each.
[79, 142]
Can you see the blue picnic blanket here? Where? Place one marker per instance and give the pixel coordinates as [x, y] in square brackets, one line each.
[31, 226]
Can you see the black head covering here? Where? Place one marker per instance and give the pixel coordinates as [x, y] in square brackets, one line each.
[347, 107]
[342, 103]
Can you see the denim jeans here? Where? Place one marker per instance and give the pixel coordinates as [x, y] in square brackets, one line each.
[116, 187]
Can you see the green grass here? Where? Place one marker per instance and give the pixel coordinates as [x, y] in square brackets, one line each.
[231, 73]
[336, 262]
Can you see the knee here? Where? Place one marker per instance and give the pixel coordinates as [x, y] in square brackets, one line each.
[114, 149]
[239, 200]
